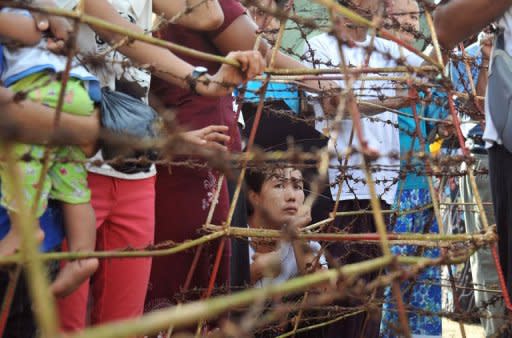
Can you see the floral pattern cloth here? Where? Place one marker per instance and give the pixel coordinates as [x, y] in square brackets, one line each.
[422, 296]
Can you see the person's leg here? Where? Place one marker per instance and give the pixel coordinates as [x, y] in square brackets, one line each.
[79, 222]
[73, 308]
[69, 185]
[483, 269]
[119, 286]
[500, 161]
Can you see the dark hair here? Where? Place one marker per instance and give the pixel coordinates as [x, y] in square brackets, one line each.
[254, 179]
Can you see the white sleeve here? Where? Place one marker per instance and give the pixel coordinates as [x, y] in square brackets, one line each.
[316, 247]
[412, 59]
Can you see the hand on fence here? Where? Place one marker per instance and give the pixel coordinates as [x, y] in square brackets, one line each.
[213, 137]
[228, 77]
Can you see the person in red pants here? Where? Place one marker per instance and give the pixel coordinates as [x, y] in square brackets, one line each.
[124, 200]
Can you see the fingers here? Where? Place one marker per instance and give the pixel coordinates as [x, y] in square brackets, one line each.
[42, 22]
[56, 46]
[251, 62]
[217, 137]
[212, 137]
[60, 28]
[214, 128]
[216, 146]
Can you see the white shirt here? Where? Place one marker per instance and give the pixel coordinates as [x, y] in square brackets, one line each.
[112, 73]
[289, 267]
[490, 133]
[379, 135]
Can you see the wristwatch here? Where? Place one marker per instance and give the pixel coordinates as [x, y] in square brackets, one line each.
[194, 76]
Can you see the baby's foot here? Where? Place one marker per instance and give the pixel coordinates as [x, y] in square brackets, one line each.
[72, 275]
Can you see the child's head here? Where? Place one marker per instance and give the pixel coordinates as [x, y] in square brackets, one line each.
[275, 195]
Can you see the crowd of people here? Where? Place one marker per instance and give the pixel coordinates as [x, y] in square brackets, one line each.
[84, 204]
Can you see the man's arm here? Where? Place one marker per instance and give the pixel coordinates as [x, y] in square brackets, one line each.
[31, 122]
[485, 48]
[457, 20]
[206, 15]
[242, 34]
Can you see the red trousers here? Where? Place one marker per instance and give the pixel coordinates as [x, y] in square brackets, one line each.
[183, 199]
[124, 218]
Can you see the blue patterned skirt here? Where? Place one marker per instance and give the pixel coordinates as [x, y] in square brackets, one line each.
[422, 296]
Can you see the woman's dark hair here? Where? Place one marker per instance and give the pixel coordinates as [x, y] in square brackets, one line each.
[254, 179]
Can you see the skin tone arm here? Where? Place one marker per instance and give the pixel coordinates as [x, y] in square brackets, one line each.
[169, 67]
[34, 122]
[242, 34]
[206, 15]
[452, 27]
[19, 28]
[486, 48]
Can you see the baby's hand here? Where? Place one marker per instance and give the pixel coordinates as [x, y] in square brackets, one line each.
[59, 27]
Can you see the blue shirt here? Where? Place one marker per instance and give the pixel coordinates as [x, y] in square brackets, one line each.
[275, 91]
[458, 72]
[461, 83]
[415, 173]
[50, 222]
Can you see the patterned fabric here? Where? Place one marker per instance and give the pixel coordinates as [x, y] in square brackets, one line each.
[66, 180]
[423, 293]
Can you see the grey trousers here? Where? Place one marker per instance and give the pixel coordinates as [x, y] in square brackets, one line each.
[483, 269]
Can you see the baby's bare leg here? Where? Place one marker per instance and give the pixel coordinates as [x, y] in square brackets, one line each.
[80, 225]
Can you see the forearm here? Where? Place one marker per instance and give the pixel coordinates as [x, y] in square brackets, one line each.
[481, 84]
[374, 107]
[31, 122]
[18, 28]
[453, 26]
[366, 107]
[204, 15]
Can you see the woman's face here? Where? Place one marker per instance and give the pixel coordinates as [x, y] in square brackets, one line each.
[280, 198]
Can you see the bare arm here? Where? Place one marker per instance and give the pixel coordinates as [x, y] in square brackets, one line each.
[19, 28]
[168, 66]
[241, 35]
[366, 107]
[206, 15]
[33, 123]
[456, 20]
[485, 48]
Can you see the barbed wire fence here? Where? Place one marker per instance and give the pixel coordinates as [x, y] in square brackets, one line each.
[314, 307]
